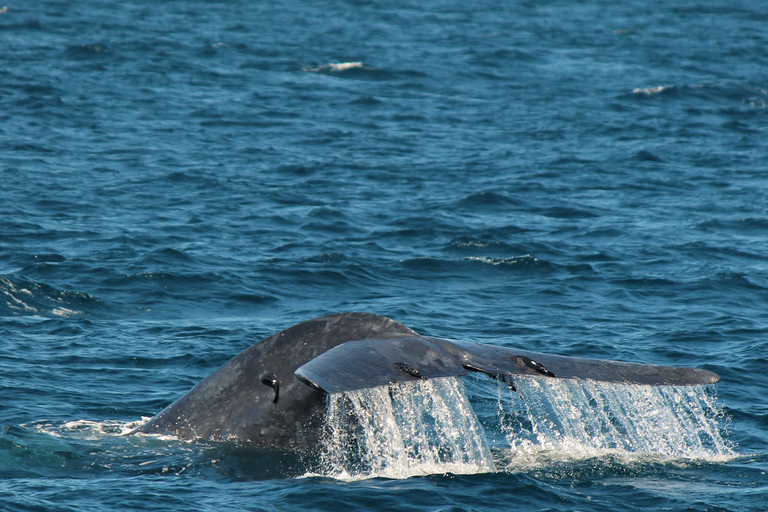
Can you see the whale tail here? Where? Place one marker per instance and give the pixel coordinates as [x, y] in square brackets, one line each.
[377, 362]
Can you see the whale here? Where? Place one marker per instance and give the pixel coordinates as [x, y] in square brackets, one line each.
[274, 393]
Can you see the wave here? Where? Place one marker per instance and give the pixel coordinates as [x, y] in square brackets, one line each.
[337, 68]
[358, 70]
[525, 264]
[489, 202]
[24, 297]
[660, 89]
[733, 92]
[86, 51]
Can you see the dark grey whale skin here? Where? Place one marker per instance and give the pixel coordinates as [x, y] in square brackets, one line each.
[274, 393]
[232, 404]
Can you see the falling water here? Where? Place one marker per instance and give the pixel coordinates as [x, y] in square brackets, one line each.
[403, 430]
[578, 419]
[427, 427]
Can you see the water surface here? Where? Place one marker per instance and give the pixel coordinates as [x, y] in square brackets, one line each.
[182, 179]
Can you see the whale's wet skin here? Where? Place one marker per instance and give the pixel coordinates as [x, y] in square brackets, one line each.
[363, 395]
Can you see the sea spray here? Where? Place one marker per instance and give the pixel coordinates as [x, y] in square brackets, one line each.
[403, 430]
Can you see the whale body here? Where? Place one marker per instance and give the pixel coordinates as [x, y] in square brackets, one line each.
[273, 394]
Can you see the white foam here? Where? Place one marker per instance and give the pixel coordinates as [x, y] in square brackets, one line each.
[653, 90]
[9, 290]
[344, 66]
[66, 312]
[86, 429]
[337, 67]
[17, 297]
[502, 261]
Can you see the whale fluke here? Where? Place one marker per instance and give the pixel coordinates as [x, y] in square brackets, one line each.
[370, 363]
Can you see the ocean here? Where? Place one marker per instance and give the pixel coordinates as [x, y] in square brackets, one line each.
[181, 179]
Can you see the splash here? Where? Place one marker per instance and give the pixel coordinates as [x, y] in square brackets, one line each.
[577, 419]
[404, 430]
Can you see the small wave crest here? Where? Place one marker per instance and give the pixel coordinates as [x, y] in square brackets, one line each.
[730, 92]
[24, 297]
[649, 91]
[336, 67]
[358, 70]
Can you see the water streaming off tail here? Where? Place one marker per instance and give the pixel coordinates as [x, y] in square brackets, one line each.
[427, 427]
[403, 430]
[577, 419]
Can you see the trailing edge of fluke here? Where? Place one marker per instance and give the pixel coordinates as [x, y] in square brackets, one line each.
[273, 393]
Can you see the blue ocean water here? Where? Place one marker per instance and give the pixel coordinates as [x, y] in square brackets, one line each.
[181, 179]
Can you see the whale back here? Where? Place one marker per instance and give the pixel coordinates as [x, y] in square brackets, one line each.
[255, 397]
